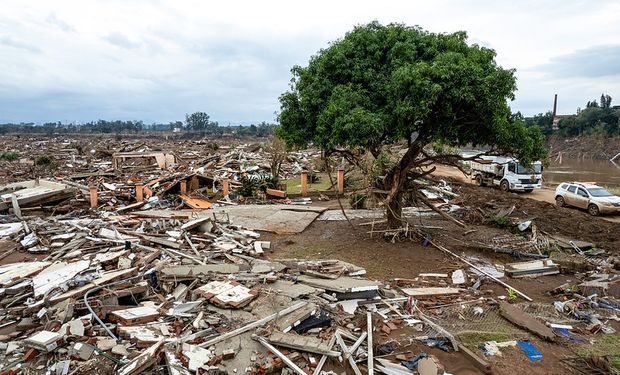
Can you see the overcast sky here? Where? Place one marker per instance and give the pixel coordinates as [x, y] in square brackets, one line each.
[157, 60]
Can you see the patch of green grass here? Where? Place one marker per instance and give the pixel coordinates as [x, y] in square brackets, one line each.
[614, 362]
[474, 340]
[605, 345]
[293, 185]
[9, 155]
[43, 160]
[500, 221]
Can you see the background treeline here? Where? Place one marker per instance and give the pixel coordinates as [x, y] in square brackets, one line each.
[596, 118]
[198, 122]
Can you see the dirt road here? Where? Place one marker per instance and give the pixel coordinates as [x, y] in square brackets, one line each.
[546, 194]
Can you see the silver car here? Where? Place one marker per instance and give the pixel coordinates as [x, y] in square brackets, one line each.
[597, 200]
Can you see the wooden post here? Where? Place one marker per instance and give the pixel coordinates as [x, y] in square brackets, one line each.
[225, 186]
[340, 181]
[304, 183]
[139, 192]
[193, 183]
[183, 187]
[93, 196]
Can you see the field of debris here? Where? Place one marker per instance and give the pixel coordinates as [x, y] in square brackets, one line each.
[179, 255]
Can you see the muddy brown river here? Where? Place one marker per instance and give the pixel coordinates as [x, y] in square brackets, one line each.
[602, 172]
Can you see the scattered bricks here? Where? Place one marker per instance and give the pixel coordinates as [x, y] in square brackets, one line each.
[30, 354]
[391, 326]
[385, 329]
[183, 187]
[215, 360]
[228, 354]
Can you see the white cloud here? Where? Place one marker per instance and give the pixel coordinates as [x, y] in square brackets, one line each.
[157, 60]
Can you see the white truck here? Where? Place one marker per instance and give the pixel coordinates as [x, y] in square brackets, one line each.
[507, 173]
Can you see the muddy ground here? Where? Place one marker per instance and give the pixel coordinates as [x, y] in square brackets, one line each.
[385, 260]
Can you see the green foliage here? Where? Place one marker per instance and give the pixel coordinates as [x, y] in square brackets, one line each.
[381, 165]
[199, 121]
[357, 201]
[543, 121]
[474, 340]
[313, 178]
[44, 161]
[380, 84]
[594, 119]
[122, 127]
[605, 345]
[500, 221]
[9, 155]
[250, 185]
[511, 295]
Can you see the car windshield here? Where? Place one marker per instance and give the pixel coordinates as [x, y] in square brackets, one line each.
[534, 169]
[599, 192]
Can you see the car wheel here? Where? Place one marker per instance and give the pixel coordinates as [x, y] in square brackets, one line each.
[593, 210]
[504, 185]
[479, 181]
[560, 201]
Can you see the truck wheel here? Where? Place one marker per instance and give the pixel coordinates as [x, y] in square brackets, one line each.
[504, 185]
[559, 200]
[593, 210]
[479, 181]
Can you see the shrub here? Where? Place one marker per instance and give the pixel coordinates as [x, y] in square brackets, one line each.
[357, 201]
[9, 155]
[43, 161]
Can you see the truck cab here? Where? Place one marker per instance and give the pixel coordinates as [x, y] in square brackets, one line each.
[507, 173]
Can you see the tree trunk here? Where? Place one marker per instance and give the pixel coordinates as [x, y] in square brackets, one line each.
[395, 211]
[395, 183]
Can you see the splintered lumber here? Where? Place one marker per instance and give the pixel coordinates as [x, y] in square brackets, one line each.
[480, 363]
[440, 247]
[281, 355]
[304, 343]
[371, 362]
[323, 359]
[532, 268]
[276, 193]
[142, 362]
[253, 325]
[525, 321]
[440, 212]
[430, 291]
[194, 202]
[347, 353]
[161, 241]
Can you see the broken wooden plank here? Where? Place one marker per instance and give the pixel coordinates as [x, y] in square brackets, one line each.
[304, 343]
[194, 202]
[253, 325]
[525, 321]
[430, 291]
[281, 355]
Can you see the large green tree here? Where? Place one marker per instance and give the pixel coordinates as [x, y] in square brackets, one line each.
[197, 121]
[382, 84]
